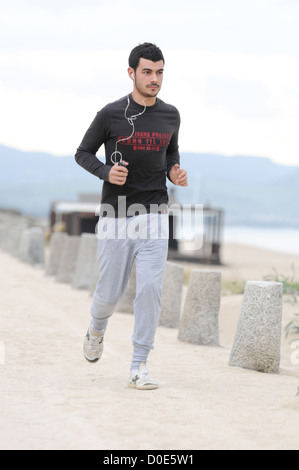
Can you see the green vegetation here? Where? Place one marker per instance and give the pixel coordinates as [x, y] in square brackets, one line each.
[290, 286]
[291, 290]
[292, 328]
[229, 287]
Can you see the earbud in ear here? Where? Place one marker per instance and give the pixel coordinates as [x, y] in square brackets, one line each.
[133, 77]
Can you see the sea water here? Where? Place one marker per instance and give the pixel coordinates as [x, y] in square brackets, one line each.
[284, 240]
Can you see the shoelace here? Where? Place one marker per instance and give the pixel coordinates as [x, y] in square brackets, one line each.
[95, 341]
[142, 375]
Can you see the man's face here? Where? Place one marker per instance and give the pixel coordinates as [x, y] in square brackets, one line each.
[149, 77]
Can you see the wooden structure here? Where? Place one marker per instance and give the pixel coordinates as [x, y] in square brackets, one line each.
[81, 216]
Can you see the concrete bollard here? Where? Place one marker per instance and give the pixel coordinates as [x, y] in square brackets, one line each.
[8, 238]
[172, 295]
[3, 235]
[199, 322]
[258, 336]
[56, 247]
[67, 264]
[31, 248]
[86, 261]
[13, 238]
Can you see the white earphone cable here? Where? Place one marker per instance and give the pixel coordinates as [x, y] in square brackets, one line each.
[117, 154]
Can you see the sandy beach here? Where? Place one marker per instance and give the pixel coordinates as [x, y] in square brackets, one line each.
[51, 398]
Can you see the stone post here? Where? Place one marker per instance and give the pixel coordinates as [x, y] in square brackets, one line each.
[56, 246]
[86, 261]
[199, 322]
[258, 335]
[172, 295]
[31, 247]
[14, 236]
[69, 254]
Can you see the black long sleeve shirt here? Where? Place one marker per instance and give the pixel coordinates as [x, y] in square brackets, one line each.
[151, 151]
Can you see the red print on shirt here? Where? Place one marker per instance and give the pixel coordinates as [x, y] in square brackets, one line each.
[153, 141]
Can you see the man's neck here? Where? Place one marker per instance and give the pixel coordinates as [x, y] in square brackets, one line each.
[142, 100]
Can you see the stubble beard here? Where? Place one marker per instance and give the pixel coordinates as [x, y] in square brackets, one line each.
[146, 94]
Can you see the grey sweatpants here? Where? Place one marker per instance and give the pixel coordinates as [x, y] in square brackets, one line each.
[118, 246]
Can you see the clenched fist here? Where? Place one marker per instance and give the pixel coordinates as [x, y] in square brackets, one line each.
[178, 176]
[118, 174]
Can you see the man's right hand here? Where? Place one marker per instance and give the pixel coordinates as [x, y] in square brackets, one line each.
[118, 174]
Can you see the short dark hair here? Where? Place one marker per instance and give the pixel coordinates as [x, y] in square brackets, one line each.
[147, 51]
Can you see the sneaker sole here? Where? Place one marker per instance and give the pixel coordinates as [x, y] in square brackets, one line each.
[143, 387]
[94, 359]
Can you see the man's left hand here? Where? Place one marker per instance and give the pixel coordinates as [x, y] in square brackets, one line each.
[178, 176]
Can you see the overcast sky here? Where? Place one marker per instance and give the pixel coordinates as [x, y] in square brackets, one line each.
[232, 70]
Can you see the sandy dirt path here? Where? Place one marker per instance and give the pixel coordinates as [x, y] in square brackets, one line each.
[51, 398]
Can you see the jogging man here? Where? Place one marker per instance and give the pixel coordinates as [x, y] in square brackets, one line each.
[140, 134]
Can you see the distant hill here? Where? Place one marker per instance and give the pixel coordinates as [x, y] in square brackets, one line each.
[30, 181]
[251, 190]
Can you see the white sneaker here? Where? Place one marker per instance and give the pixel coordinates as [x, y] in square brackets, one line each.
[93, 345]
[141, 380]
